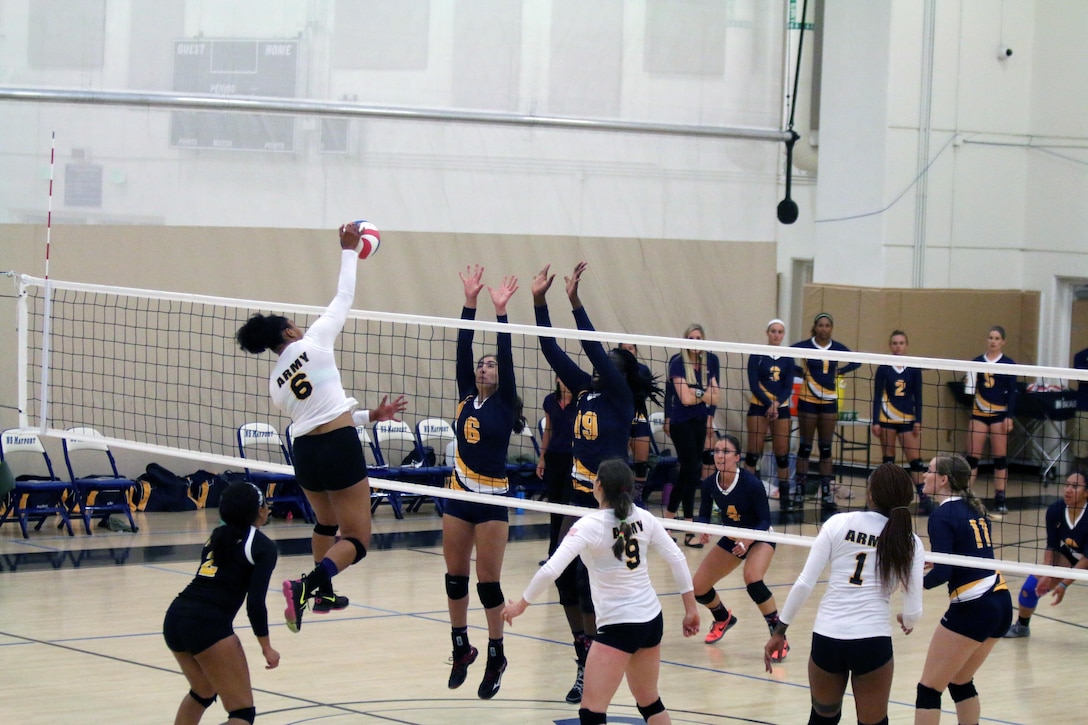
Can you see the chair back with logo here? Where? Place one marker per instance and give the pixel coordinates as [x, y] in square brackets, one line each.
[260, 441]
[34, 496]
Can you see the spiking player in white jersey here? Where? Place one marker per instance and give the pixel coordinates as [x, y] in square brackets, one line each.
[328, 457]
[614, 543]
[872, 553]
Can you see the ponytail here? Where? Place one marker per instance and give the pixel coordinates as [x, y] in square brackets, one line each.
[617, 482]
[892, 489]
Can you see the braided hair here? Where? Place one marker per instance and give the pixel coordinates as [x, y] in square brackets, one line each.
[617, 483]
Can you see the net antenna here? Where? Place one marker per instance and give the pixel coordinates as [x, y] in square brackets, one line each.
[787, 208]
[48, 293]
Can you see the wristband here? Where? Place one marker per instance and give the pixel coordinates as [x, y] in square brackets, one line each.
[1063, 585]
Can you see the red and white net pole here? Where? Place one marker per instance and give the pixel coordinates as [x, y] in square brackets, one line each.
[47, 308]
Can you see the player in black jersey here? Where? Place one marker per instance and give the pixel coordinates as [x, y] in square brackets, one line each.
[235, 566]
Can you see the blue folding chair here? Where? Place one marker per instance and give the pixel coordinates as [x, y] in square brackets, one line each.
[101, 493]
[261, 441]
[33, 496]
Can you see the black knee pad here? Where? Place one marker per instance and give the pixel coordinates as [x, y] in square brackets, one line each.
[918, 466]
[650, 710]
[588, 717]
[887, 459]
[927, 698]
[782, 461]
[490, 594]
[825, 451]
[882, 721]
[804, 450]
[205, 702]
[972, 461]
[360, 550]
[325, 529]
[706, 599]
[962, 692]
[456, 587]
[815, 718]
[751, 459]
[1001, 463]
[758, 592]
[249, 714]
[641, 470]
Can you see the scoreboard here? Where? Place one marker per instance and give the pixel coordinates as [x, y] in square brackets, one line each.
[235, 68]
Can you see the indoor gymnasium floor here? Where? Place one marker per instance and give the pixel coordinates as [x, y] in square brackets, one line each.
[80, 639]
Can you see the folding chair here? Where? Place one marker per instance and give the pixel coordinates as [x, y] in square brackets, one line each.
[438, 435]
[398, 451]
[376, 497]
[33, 496]
[262, 442]
[100, 493]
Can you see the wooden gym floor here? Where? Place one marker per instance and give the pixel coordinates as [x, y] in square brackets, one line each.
[80, 637]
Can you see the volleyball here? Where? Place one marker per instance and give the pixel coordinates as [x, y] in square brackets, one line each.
[369, 239]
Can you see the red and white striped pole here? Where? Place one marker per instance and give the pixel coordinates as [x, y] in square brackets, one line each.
[47, 308]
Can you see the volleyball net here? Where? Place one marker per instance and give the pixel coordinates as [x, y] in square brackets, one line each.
[160, 373]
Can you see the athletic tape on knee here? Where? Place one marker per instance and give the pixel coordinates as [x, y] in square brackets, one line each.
[825, 451]
[652, 709]
[751, 459]
[918, 466]
[972, 461]
[490, 594]
[360, 550]
[1001, 463]
[782, 461]
[758, 592]
[205, 702]
[456, 586]
[249, 714]
[804, 450]
[325, 529]
[1028, 599]
[706, 599]
[962, 692]
[927, 698]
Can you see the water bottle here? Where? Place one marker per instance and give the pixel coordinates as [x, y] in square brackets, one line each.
[519, 492]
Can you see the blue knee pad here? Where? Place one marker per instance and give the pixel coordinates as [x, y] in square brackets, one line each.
[804, 450]
[782, 461]
[825, 451]
[758, 592]
[490, 594]
[962, 692]
[1028, 598]
[456, 587]
[927, 698]
[918, 466]
[751, 459]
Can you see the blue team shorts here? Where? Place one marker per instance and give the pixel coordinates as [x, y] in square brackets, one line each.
[987, 617]
[758, 410]
[828, 408]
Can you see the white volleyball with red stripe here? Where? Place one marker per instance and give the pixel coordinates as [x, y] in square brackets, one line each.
[369, 239]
